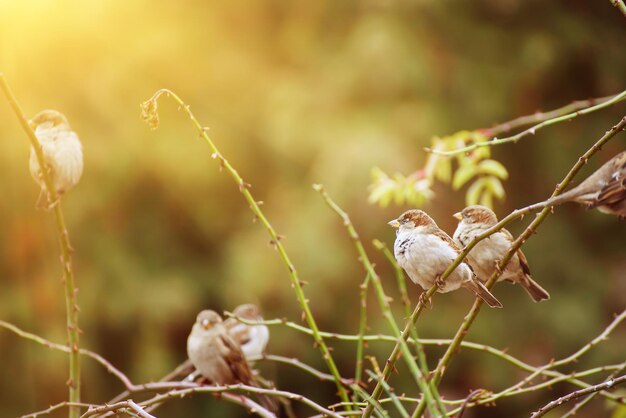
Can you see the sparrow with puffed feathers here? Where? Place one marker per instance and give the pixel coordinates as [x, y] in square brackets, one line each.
[217, 356]
[252, 338]
[604, 189]
[62, 151]
[484, 257]
[425, 251]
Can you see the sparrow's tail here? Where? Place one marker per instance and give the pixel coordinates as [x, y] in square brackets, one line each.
[535, 291]
[482, 292]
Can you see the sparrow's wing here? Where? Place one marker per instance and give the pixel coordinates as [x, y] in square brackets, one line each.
[446, 238]
[439, 233]
[235, 359]
[240, 333]
[522, 258]
[613, 192]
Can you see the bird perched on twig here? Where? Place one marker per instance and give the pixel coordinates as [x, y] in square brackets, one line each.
[252, 338]
[483, 258]
[604, 189]
[62, 151]
[217, 356]
[425, 251]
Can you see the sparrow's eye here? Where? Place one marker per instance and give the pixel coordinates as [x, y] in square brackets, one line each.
[206, 324]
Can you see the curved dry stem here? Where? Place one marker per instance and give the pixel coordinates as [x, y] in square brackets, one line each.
[607, 384]
[150, 114]
[533, 129]
[71, 304]
[590, 397]
[181, 389]
[360, 346]
[60, 405]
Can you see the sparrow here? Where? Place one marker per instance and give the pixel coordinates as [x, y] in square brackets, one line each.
[217, 356]
[425, 251]
[483, 258]
[62, 151]
[252, 338]
[604, 190]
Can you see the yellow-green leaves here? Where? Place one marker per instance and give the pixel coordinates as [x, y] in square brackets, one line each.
[400, 189]
[477, 169]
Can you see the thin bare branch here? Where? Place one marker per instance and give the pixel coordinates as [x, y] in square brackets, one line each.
[607, 384]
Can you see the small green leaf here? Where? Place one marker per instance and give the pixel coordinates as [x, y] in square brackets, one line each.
[472, 196]
[462, 175]
[487, 199]
[494, 185]
[443, 170]
[493, 168]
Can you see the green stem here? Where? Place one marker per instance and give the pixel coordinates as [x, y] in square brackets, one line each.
[531, 229]
[150, 114]
[406, 302]
[532, 130]
[71, 304]
[358, 372]
[434, 403]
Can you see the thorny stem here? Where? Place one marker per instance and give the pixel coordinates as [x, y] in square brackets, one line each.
[575, 356]
[386, 310]
[607, 384]
[531, 229]
[538, 117]
[58, 406]
[533, 129]
[181, 389]
[71, 304]
[487, 399]
[150, 111]
[406, 301]
[540, 370]
[389, 391]
[131, 388]
[590, 397]
[358, 370]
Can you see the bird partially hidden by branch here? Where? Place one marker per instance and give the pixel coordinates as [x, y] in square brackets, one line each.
[474, 220]
[424, 251]
[218, 357]
[604, 190]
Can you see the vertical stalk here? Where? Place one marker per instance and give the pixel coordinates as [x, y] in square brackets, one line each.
[71, 304]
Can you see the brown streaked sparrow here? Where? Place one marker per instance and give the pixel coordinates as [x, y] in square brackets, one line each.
[424, 251]
[473, 221]
[604, 189]
[252, 338]
[217, 356]
[62, 151]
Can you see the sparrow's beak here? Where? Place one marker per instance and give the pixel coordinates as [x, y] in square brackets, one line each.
[394, 223]
[458, 216]
[31, 124]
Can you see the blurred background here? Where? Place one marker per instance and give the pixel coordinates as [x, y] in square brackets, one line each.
[294, 93]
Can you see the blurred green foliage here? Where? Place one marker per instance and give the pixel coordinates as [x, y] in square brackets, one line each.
[294, 93]
[416, 189]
